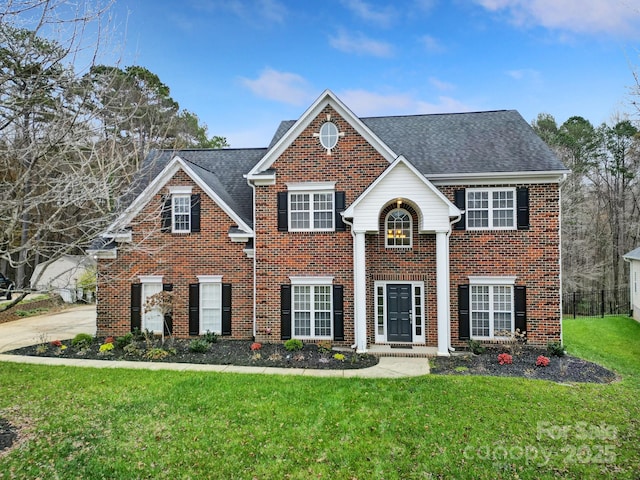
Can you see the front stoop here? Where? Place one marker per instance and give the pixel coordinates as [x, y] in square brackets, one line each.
[402, 350]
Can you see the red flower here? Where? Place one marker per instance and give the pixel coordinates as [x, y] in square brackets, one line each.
[56, 343]
[542, 361]
[505, 358]
[109, 340]
[256, 346]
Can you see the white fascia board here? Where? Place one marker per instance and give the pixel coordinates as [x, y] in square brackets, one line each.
[262, 179]
[326, 98]
[453, 210]
[160, 181]
[554, 176]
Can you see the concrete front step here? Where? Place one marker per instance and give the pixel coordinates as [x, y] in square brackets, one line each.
[402, 350]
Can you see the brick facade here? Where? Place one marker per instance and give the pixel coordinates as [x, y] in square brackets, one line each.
[531, 255]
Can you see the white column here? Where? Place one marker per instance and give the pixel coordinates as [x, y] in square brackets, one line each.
[442, 291]
[360, 292]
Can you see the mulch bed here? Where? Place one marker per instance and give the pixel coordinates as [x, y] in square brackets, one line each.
[565, 369]
[8, 434]
[222, 352]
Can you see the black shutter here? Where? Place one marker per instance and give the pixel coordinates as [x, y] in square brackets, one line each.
[338, 313]
[522, 201]
[285, 312]
[460, 198]
[195, 212]
[165, 223]
[520, 303]
[194, 309]
[340, 206]
[226, 309]
[283, 213]
[168, 318]
[136, 306]
[463, 313]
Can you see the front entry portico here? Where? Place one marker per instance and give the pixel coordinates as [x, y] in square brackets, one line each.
[435, 213]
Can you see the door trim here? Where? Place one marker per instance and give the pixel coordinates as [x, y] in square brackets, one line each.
[418, 311]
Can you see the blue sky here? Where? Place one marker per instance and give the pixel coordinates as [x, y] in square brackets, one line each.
[244, 65]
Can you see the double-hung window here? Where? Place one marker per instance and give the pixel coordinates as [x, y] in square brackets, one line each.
[311, 207]
[491, 209]
[312, 308]
[181, 213]
[210, 303]
[491, 307]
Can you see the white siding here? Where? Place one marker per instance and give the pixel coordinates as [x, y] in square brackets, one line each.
[402, 183]
[634, 286]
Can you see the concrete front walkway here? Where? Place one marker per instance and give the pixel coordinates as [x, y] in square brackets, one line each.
[68, 323]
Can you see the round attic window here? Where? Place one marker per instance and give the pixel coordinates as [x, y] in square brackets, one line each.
[328, 135]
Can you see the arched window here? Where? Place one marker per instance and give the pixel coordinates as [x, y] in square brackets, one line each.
[398, 228]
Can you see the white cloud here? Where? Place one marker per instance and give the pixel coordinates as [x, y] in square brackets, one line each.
[365, 103]
[360, 45]
[440, 85]
[431, 44]
[289, 88]
[524, 74]
[614, 17]
[383, 17]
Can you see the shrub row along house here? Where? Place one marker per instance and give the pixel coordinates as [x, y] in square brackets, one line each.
[410, 230]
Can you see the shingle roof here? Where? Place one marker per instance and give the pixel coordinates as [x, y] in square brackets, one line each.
[478, 142]
[222, 170]
[633, 254]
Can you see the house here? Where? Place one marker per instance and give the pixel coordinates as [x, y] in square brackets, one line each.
[633, 258]
[409, 230]
[62, 276]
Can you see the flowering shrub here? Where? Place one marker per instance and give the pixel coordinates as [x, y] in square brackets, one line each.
[109, 340]
[339, 356]
[255, 346]
[106, 347]
[542, 361]
[505, 358]
[56, 343]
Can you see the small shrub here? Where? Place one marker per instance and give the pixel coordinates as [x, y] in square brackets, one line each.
[542, 361]
[256, 356]
[132, 349]
[124, 340]
[210, 337]
[106, 348]
[82, 340]
[505, 359]
[156, 354]
[461, 369]
[109, 340]
[275, 357]
[138, 335]
[339, 357]
[255, 346]
[325, 346]
[556, 349]
[293, 344]
[299, 357]
[476, 347]
[56, 343]
[41, 349]
[199, 345]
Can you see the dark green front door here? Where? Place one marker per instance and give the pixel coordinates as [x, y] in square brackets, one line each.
[399, 313]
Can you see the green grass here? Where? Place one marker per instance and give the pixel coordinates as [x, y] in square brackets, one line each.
[104, 423]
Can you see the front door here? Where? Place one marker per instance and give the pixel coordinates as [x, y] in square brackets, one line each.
[399, 313]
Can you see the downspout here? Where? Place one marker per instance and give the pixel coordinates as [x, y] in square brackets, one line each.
[451, 222]
[255, 255]
[353, 243]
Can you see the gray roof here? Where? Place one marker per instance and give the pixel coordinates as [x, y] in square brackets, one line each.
[450, 143]
[221, 169]
[633, 254]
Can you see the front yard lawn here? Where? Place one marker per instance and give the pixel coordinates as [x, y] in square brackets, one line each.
[103, 423]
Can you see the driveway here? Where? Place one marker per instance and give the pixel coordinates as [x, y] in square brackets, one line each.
[53, 326]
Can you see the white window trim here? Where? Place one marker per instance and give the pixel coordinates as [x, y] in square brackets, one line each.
[311, 192]
[173, 212]
[146, 280]
[491, 282]
[310, 186]
[311, 282]
[382, 337]
[208, 280]
[386, 230]
[490, 190]
[177, 190]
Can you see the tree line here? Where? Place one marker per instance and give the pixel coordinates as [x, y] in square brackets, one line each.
[72, 138]
[600, 198]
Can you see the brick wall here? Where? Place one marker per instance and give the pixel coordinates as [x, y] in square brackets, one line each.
[179, 258]
[352, 165]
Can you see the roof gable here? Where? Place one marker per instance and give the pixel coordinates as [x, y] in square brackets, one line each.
[288, 135]
[205, 179]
